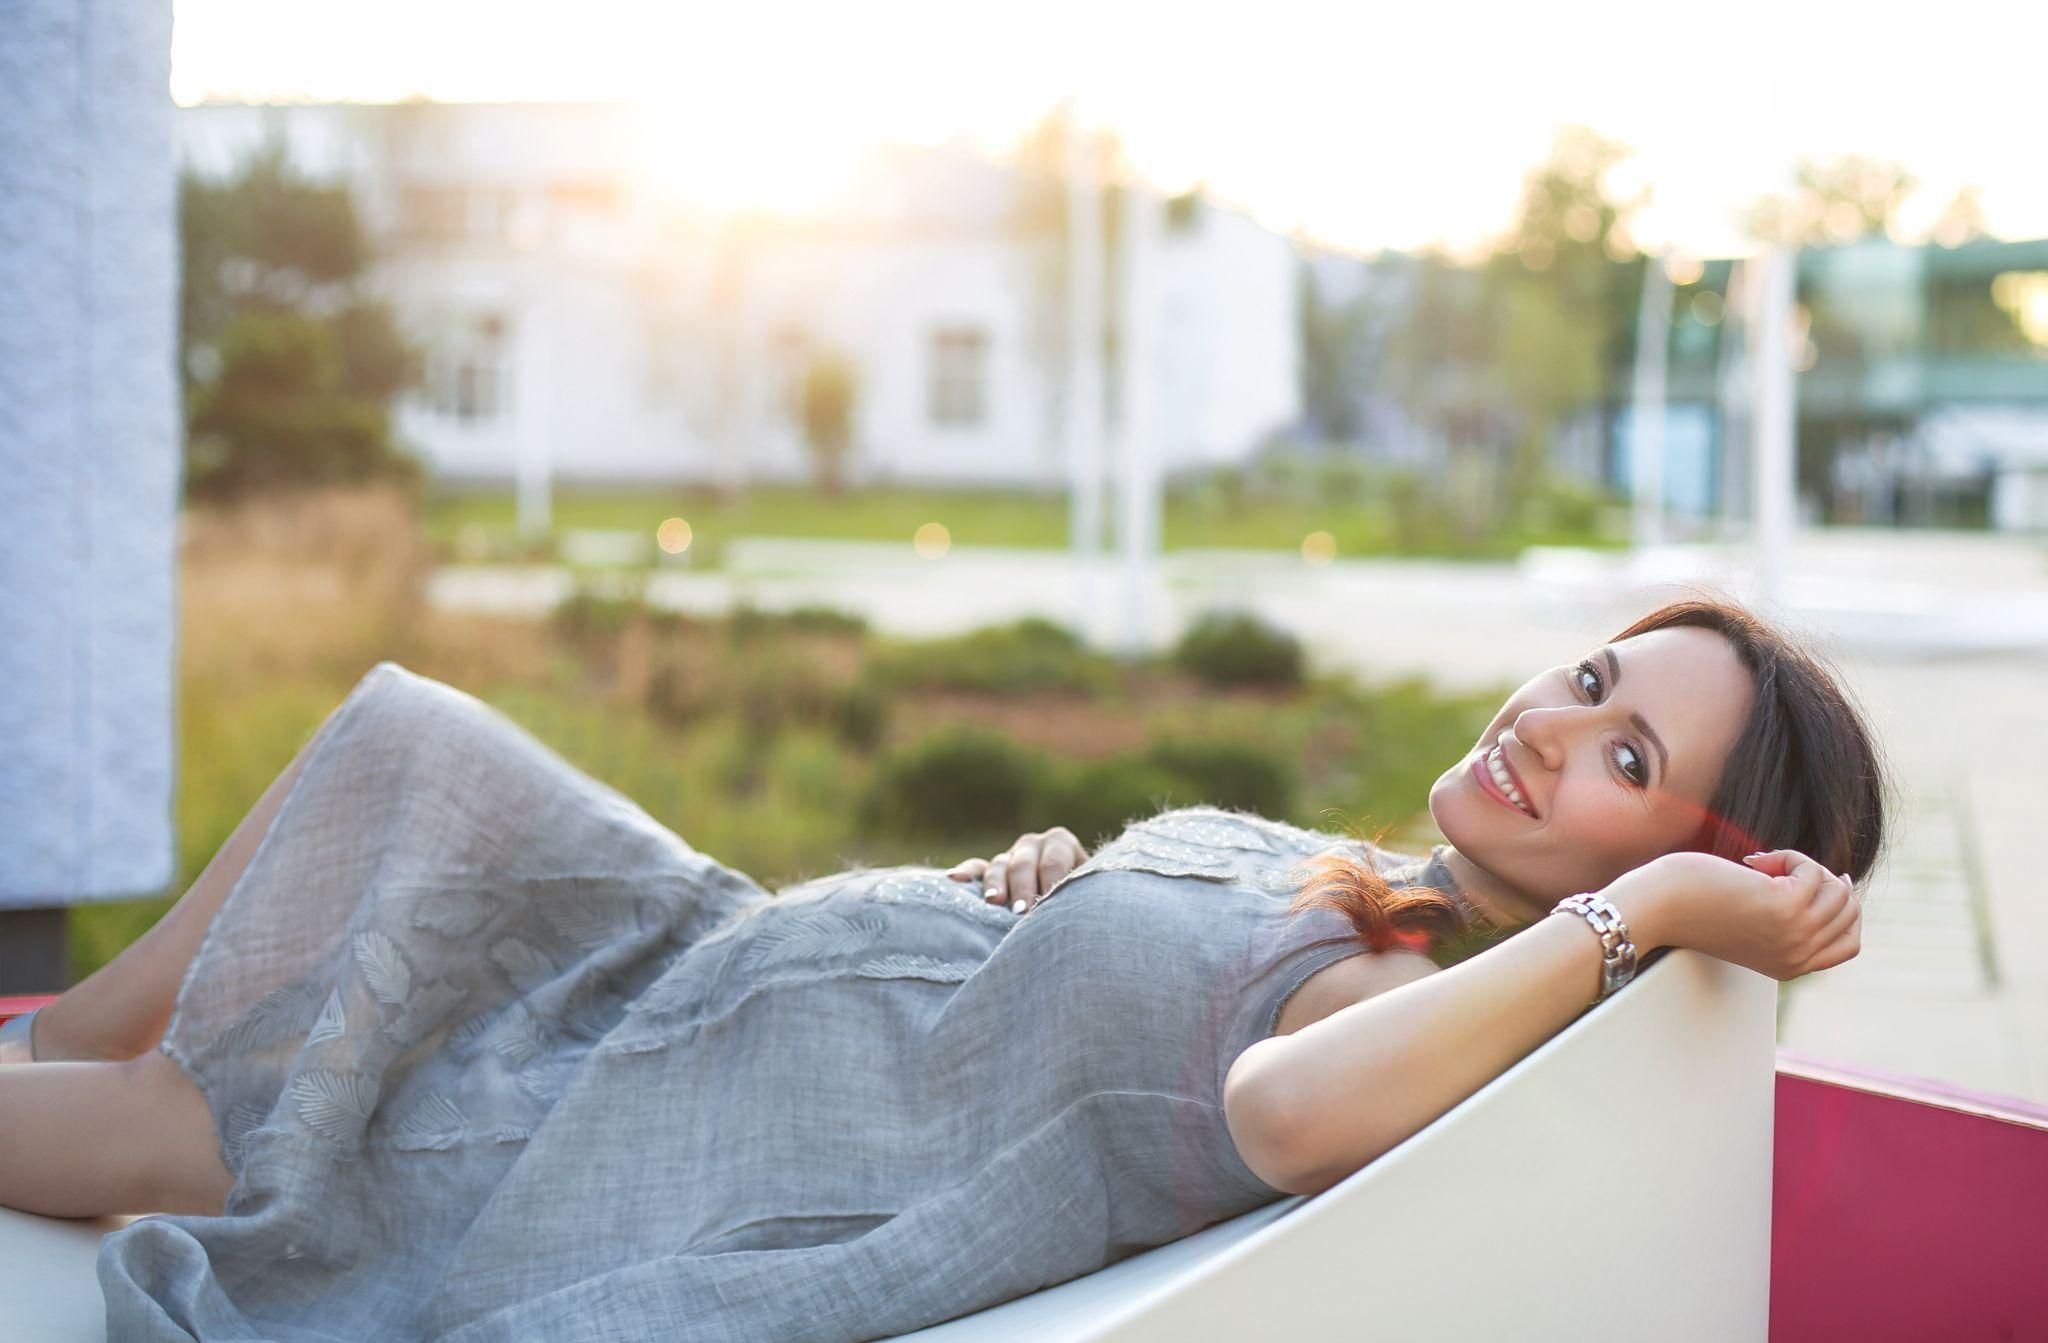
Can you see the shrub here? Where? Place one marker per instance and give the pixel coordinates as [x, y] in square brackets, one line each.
[863, 716]
[586, 616]
[772, 690]
[1236, 648]
[1098, 798]
[1230, 774]
[747, 622]
[961, 783]
[1031, 654]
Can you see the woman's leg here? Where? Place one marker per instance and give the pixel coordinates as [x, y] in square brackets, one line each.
[88, 1139]
[120, 1010]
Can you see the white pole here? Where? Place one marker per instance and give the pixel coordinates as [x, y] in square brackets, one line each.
[1772, 424]
[1140, 467]
[536, 402]
[1646, 420]
[1732, 394]
[1084, 368]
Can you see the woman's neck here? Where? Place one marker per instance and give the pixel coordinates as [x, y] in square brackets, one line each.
[1499, 902]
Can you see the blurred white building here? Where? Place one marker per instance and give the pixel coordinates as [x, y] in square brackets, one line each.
[569, 308]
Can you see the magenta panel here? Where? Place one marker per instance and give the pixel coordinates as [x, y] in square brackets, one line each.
[20, 1006]
[1905, 1211]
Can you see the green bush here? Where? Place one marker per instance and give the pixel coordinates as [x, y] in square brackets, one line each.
[772, 690]
[1098, 798]
[1236, 648]
[586, 616]
[1230, 774]
[677, 693]
[1031, 654]
[747, 622]
[962, 783]
[863, 716]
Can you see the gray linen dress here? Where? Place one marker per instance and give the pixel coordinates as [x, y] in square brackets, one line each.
[494, 1056]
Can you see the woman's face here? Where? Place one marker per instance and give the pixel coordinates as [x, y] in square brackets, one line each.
[1613, 758]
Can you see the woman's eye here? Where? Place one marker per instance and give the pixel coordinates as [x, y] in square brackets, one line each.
[1585, 672]
[1637, 771]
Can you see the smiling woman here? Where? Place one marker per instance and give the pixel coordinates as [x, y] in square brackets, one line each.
[1697, 728]
[1658, 771]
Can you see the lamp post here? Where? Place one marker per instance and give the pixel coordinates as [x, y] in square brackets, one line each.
[1647, 414]
[1771, 291]
[1137, 426]
[1084, 366]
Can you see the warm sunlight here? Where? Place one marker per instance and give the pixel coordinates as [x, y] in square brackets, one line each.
[1366, 127]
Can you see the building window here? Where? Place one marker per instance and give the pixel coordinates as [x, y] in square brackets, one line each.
[958, 386]
[468, 378]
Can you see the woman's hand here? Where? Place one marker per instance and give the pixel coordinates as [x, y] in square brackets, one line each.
[1020, 875]
[1778, 913]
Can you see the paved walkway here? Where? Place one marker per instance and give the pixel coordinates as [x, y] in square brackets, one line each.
[1944, 638]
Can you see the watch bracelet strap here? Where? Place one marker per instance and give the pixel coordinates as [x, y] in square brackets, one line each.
[1617, 949]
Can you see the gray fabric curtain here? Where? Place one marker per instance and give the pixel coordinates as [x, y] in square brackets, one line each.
[90, 467]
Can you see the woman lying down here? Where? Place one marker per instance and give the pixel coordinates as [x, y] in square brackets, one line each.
[454, 1042]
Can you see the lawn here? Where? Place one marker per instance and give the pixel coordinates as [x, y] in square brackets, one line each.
[1362, 520]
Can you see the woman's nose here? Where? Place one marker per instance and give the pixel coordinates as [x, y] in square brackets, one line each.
[1545, 731]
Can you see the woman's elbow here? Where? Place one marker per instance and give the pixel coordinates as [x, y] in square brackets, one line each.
[1278, 1137]
[1264, 1116]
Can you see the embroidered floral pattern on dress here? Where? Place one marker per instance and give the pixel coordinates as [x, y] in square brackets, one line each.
[810, 939]
[278, 1016]
[453, 914]
[335, 1105]
[526, 966]
[333, 1022]
[1211, 829]
[903, 966]
[1204, 842]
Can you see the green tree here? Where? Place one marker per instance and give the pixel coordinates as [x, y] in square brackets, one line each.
[1334, 336]
[1837, 200]
[830, 388]
[1496, 358]
[289, 367]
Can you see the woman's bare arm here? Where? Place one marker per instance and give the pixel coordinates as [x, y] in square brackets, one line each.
[1308, 1109]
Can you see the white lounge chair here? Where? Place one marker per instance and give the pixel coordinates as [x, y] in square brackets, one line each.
[1614, 1184]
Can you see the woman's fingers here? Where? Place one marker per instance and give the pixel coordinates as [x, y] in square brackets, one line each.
[1054, 862]
[1030, 867]
[1843, 930]
[969, 869]
[1021, 873]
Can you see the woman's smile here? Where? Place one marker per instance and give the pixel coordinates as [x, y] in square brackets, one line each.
[1500, 781]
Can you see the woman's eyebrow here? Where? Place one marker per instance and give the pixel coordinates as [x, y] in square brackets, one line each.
[1614, 678]
[1655, 741]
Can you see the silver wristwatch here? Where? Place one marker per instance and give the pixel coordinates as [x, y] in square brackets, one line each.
[1617, 952]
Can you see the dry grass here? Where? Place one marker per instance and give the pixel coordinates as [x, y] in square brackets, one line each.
[301, 586]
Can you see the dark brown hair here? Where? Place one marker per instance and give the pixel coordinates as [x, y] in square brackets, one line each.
[1804, 774]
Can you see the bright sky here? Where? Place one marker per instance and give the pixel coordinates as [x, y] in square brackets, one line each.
[1363, 125]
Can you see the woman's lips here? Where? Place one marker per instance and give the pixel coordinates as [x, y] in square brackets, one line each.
[1492, 789]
